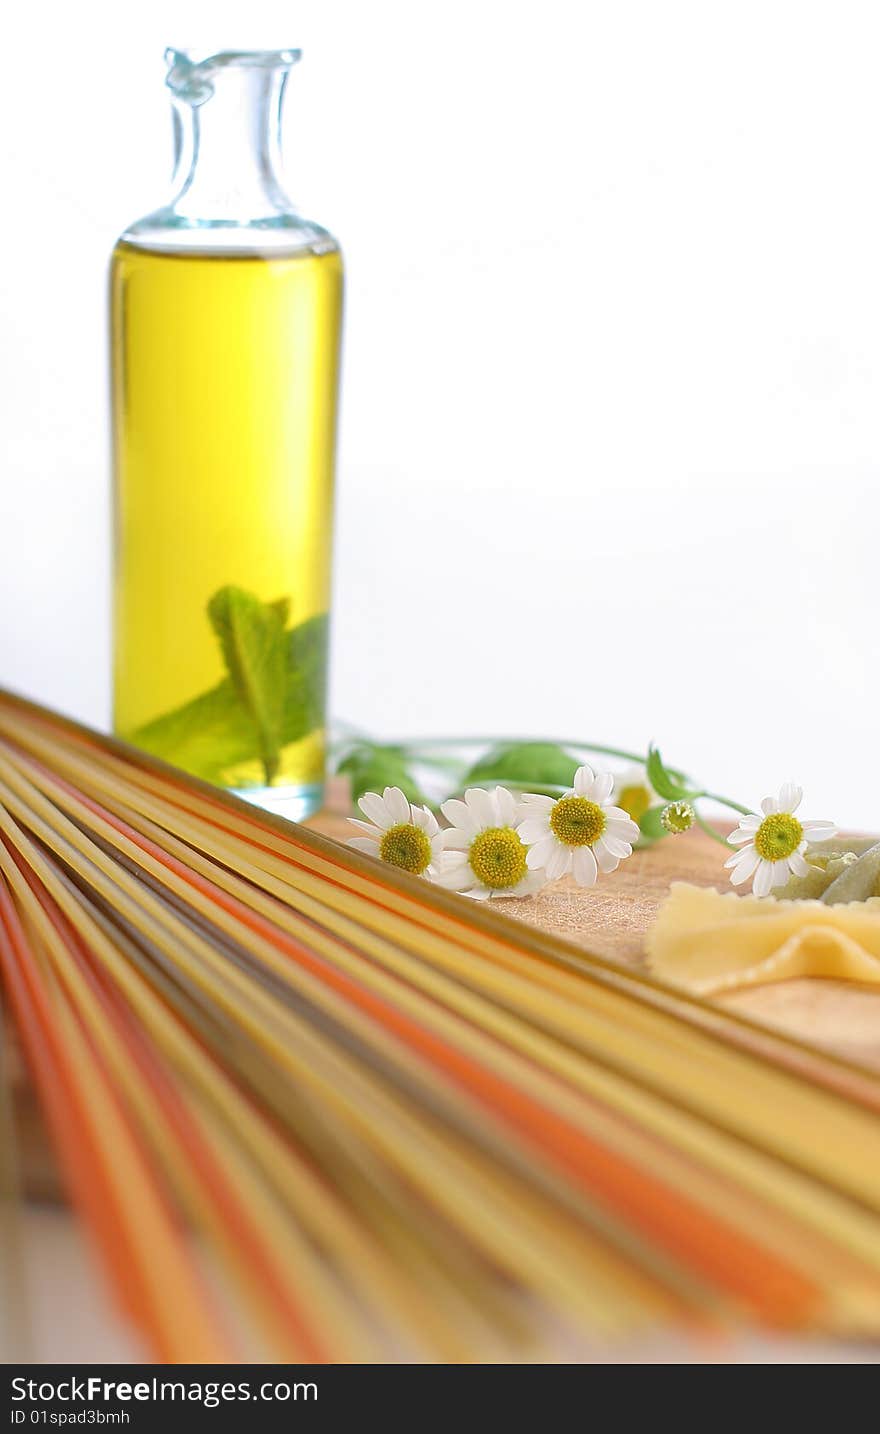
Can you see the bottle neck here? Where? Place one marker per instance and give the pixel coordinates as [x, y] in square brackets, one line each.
[228, 151]
[228, 192]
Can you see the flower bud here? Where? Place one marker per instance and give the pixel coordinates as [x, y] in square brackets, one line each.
[678, 817]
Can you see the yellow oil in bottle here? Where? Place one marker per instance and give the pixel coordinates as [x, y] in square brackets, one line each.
[224, 397]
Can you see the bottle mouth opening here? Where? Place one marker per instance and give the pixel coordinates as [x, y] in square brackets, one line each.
[191, 77]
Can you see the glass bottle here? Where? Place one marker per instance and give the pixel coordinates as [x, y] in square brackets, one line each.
[225, 318]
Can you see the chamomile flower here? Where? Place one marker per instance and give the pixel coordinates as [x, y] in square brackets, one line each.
[580, 832]
[773, 844]
[399, 832]
[485, 856]
[633, 792]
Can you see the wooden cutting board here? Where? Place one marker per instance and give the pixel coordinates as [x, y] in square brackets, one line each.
[611, 919]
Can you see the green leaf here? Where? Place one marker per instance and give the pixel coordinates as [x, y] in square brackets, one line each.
[281, 606]
[537, 766]
[214, 732]
[650, 826]
[666, 783]
[372, 768]
[251, 637]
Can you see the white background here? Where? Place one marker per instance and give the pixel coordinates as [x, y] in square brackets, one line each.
[611, 423]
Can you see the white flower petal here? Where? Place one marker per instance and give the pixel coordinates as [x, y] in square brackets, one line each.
[455, 861]
[617, 814]
[798, 865]
[507, 807]
[740, 837]
[456, 840]
[763, 883]
[744, 864]
[557, 863]
[625, 830]
[538, 801]
[459, 814]
[483, 807]
[364, 844]
[369, 827]
[819, 831]
[584, 868]
[372, 805]
[533, 829]
[750, 823]
[453, 880]
[603, 786]
[583, 781]
[605, 859]
[790, 797]
[423, 817]
[397, 804]
[538, 855]
[768, 806]
[618, 848]
[480, 893]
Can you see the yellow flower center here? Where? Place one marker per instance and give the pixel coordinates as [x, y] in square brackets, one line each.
[406, 846]
[635, 801]
[575, 821]
[498, 858]
[778, 836]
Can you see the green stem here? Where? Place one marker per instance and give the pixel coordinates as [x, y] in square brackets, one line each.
[421, 743]
[726, 802]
